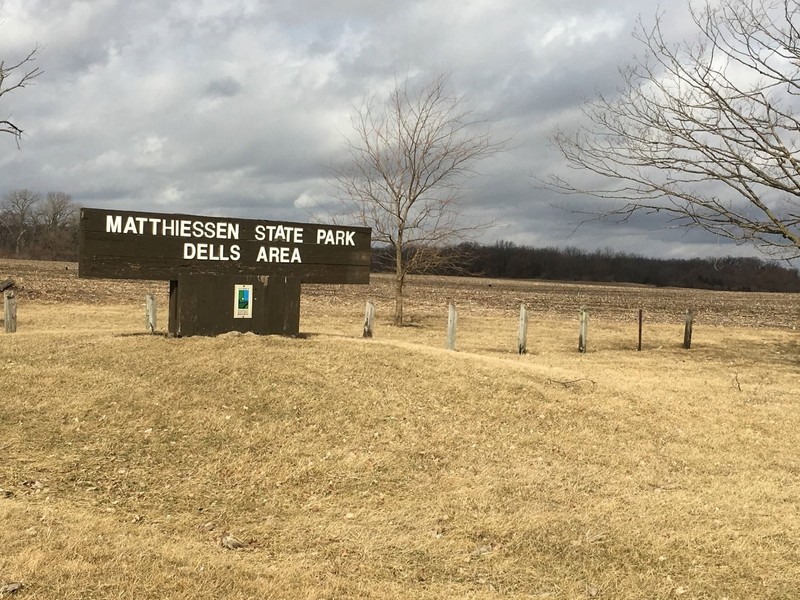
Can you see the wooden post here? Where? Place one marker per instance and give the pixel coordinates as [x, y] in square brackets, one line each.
[151, 313]
[452, 321]
[522, 338]
[584, 326]
[369, 319]
[641, 318]
[687, 331]
[10, 311]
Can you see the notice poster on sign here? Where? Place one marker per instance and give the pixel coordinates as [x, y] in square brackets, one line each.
[243, 302]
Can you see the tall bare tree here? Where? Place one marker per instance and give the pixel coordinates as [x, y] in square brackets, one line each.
[408, 161]
[15, 76]
[706, 131]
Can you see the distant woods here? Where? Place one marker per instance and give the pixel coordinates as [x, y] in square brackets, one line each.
[506, 260]
[36, 226]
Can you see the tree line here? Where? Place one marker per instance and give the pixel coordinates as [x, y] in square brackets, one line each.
[36, 226]
[506, 260]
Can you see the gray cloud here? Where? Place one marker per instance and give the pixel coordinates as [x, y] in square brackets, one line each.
[226, 87]
[236, 107]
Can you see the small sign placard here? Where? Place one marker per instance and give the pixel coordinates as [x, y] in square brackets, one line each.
[243, 302]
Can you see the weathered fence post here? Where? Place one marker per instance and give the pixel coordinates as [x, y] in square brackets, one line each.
[641, 318]
[452, 321]
[10, 311]
[151, 313]
[369, 319]
[687, 330]
[522, 338]
[584, 326]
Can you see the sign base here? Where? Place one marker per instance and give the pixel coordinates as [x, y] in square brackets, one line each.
[215, 304]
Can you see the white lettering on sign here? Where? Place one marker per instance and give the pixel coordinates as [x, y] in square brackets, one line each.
[113, 224]
[279, 233]
[130, 226]
[278, 254]
[220, 230]
[335, 237]
[218, 252]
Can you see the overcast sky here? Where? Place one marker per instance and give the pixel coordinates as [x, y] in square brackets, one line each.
[236, 107]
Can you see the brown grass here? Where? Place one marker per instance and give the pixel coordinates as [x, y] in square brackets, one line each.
[392, 468]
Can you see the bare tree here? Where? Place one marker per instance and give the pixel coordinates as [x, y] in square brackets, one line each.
[19, 217]
[15, 76]
[407, 164]
[707, 131]
[58, 211]
[58, 220]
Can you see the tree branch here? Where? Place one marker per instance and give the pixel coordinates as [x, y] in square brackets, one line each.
[706, 131]
[14, 77]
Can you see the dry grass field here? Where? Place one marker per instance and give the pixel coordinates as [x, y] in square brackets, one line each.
[393, 468]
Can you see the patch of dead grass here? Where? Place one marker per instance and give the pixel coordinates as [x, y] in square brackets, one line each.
[393, 468]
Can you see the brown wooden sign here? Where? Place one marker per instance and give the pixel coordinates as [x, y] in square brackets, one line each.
[224, 274]
[136, 245]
